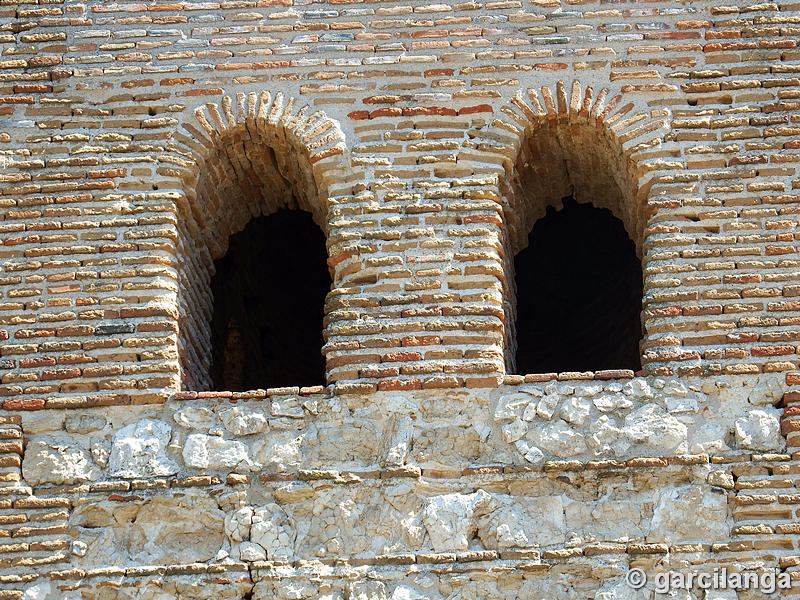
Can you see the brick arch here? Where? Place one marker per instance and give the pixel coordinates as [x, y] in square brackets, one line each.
[240, 158]
[546, 144]
[314, 147]
[613, 125]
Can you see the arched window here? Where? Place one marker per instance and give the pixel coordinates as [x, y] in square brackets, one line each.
[579, 293]
[269, 293]
[573, 220]
[251, 245]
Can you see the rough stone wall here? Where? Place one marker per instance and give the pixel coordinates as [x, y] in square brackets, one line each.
[425, 140]
[548, 490]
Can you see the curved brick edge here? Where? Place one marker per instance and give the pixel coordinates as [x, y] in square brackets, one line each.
[616, 120]
[790, 423]
[279, 120]
[277, 117]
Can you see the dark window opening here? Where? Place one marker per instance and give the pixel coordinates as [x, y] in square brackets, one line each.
[579, 294]
[269, 294]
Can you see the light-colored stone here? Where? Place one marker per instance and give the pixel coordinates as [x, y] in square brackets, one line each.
[675, 387]
[287, 407]
[652, 430]
[274, 532]
[212, 452]
[532, 454]
[511, 405]
[721, 479]
[39, 591]
[398, 405]
[100, 452]
[239, 420]
[451, 519]
[767, 391]
[58, 459]
[590, 390]
[606, 520]
[547, 406]
[530, 414]
[295, 491]
[139, 450]
[198, 418]
[609, 402]
[403, 592]
[523, 522]
[681, 404]
[79, 548]
[177, 529]
[101, 532]
[559, 439]
[618, 589]
[83, 423]
[606, 438]
[690, 513]
[280, 451]
[514, 430]
[399, 433]
[576, 411]
[639, 388]
[709, 437]
[760, 430]
[237, 524]
[250, 552]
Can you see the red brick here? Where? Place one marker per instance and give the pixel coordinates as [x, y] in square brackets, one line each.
[399, 384]
[772, 350]
[23, 404]
[478, 108]
[401, 357]
[60, 374]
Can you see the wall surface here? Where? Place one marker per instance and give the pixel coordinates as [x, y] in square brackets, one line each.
[549, 490]
[425, 140]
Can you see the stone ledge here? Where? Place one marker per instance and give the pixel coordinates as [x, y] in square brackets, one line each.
[351, 476]
[481, 560]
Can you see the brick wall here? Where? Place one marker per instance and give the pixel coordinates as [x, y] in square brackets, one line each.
[425, 140]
